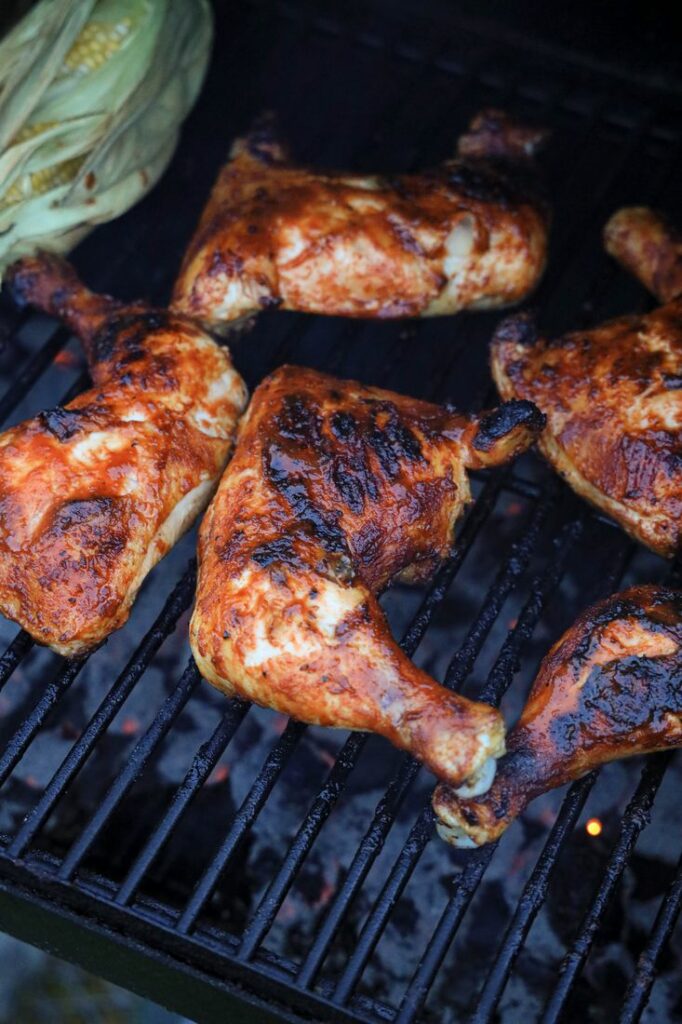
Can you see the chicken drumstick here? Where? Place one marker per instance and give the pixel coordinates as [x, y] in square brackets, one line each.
[610, 688]
[336, 489]
[93, 494]
[613, 394]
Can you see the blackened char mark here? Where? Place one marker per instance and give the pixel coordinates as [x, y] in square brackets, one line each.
[620, 697]
[392, 441]
[349, 486]
[503, 184]
[343, 425]
[505, 419]
[352, 473]
[299, 420]
[278, 550]
[62, 423]
[292, 485]
[127, 332]
[262, 143]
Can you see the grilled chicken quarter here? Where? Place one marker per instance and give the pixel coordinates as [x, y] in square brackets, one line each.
[94, 493]
[613, 394]
[611, 687]
[470, 234]
[335, 490]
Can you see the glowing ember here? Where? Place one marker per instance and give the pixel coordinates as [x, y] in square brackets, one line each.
[66, 359]
[593, 827]
[219, 774]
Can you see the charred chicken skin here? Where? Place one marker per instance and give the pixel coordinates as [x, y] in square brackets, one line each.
[336, 489]
[470, 234]
[613, 395]
[93, 494]
[610, 688]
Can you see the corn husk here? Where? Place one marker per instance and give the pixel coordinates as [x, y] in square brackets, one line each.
[92, 96]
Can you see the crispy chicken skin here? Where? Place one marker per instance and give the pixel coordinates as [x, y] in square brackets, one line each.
[336, 489]
[93, 494]
[471, 233]
[610, 688]
[612, 395]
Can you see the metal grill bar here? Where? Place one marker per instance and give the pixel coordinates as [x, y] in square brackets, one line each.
[499, 680]
[258, 794]
[15, 653]
[204, 761]
[642, 980]
[16, 746]
[141, 753]
[28, 376]
[635, 819]
[177, 602]
[423, 828]
[532, 898]
[320, 810]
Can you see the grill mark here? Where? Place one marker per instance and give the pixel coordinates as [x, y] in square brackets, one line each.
[393, 441]
[281, 550]
[62, 423]
[349, 487]
[323, 525]
[127, 332]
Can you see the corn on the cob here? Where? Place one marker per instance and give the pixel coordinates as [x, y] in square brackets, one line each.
[92, 94]
[97, 42]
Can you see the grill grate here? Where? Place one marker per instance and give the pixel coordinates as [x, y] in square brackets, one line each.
[213, 923]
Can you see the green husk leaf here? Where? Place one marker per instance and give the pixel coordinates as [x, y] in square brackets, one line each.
[116, 119]
[46, 223]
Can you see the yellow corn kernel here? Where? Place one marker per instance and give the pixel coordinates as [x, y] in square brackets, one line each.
[30, 130]
[38, 182]
[96, 43]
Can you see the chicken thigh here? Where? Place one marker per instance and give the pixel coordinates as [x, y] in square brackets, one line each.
[336, 489]
[610, 688]
[93, 494]
[613, 395]
[471, 233]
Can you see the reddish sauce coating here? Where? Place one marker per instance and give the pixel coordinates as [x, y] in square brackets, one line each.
[471, 233]
[613, 395]
[613, 401]
[336, 489]
[94, 493]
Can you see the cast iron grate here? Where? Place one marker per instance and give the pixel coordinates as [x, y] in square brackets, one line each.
[294, 872]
